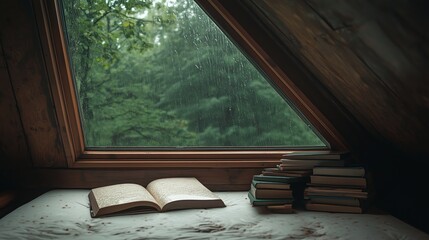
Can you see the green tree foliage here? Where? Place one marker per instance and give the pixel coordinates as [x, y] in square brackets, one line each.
[116, 109]
[162, 74]
[223, 96]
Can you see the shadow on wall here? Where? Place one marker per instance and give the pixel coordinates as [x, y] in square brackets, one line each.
[401, 186]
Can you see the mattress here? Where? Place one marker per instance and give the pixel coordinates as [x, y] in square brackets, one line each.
[64, 214]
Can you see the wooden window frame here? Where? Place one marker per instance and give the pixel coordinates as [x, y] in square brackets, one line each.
[63, 92]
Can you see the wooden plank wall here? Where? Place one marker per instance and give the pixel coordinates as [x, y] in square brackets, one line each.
[13, 146]
[373, 56]
[28, 78]
[214, 179]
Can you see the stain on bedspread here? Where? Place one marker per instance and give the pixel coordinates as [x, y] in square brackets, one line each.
[212, 230]
[313, 231]
[205, 228]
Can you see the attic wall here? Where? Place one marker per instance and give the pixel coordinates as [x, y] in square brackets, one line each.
[14, 146]
[28, 91]
[12, 140]
[372, 56]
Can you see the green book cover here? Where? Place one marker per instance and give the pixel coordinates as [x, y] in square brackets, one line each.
[265, 202]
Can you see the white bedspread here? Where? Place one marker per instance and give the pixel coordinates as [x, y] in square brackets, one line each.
[64, 214]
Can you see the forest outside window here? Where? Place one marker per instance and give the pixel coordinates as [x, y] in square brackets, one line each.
[158, 84]
[162, 74]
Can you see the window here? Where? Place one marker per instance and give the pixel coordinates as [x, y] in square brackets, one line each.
[162, 74]
[158, 80]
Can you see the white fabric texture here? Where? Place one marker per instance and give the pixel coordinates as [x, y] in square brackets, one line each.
[64, 214]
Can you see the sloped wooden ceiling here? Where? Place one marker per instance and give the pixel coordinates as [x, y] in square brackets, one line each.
[372, 56]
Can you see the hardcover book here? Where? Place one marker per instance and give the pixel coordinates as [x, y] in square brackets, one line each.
[332, 208]
[265, 202]
[339, 181]
[336, 192]
[280, 179]
[270, 193]
[286, 173]
[160, 195]
[340, 171]
[345, 201]
[270, 185]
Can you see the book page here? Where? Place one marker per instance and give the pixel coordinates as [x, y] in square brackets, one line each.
[120, 197]
[184, 192]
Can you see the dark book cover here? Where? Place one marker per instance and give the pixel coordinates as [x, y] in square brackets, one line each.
[282, 179]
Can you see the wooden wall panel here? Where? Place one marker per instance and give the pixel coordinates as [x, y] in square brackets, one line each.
[314, 98]
[13, 146]
[215, 179]
[366, 57]
[379, 34]
[30, 84]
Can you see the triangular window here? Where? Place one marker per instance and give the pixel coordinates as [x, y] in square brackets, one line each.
[162, 74]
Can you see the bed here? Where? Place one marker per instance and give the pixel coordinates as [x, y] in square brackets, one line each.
[64, 214]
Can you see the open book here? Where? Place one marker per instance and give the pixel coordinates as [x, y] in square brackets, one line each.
[159, 195]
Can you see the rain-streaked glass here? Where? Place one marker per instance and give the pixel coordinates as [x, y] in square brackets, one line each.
[162, 74]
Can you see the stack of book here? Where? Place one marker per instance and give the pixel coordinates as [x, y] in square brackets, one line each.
[300, 164]
[304, 162]
[337, 189]
[277, 193]
[279, 187]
